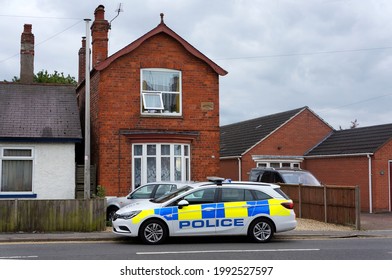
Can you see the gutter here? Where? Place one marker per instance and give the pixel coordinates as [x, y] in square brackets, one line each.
[340, 155]
[230, 157]
[370, 185]
[239, 169]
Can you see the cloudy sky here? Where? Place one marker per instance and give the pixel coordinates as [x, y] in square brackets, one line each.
[334, 56]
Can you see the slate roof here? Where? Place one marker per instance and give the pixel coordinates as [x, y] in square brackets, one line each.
[354, 141]
[39, 112]
[237, 138]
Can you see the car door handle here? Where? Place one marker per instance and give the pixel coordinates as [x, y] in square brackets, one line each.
[209, 209]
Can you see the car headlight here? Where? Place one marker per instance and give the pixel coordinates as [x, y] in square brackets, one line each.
[128, 215]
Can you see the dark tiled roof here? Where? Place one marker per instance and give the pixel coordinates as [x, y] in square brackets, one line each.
[237, 138]
[39, 111]
[354, 141]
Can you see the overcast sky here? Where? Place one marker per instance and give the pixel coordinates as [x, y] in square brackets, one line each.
[334, 56]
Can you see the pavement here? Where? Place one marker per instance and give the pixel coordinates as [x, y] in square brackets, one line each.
[372, 225]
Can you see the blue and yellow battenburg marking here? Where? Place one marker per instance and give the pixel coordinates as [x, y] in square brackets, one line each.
[225, 210]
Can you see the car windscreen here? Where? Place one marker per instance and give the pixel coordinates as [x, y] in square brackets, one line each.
[169, 196]
[303, 178]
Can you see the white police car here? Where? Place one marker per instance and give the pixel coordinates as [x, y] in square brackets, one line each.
[257, 210]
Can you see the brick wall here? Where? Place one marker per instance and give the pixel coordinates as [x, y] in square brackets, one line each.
[229, 169]
[343, 171]
[382, 192]
[354, 171]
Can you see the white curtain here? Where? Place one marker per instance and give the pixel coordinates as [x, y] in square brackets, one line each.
[16, 176]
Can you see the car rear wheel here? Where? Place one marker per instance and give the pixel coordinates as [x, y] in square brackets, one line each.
[261, 230]
[153, 232]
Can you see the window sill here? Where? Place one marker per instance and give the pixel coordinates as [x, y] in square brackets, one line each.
[162, 116]
[14, 195]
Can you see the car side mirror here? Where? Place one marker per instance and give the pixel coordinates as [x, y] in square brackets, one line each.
[182, 203]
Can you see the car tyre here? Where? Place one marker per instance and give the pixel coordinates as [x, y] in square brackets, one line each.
[153, 232]
[261, 230]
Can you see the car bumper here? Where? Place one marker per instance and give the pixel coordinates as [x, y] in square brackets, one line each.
[286, 225]
[124, 227]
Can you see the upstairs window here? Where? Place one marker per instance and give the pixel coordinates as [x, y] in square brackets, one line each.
[160, 92]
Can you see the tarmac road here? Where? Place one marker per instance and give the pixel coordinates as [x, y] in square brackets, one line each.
[372, 225]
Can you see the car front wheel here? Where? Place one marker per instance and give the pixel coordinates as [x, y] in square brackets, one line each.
[261, 230]
[153, 232]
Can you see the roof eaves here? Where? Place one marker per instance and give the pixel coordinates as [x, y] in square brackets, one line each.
[41, 139]
[161, 28]
[276, 129]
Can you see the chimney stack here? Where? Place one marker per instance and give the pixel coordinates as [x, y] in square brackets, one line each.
[99, 34]
[27, 55]
[82, 61]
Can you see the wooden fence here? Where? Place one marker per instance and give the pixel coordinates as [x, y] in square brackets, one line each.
[77, 215]
[330, 204]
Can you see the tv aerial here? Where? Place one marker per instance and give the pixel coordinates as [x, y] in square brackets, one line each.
[118, 10]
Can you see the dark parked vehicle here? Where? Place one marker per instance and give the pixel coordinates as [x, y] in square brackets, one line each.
[282, 175]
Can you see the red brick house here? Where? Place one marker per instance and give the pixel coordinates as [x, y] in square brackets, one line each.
[360, 156]
[154, 109]
[278, 140]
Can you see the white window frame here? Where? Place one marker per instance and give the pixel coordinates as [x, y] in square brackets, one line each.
[267, 164]
[145, 94]
[185, 162]
[147, 110]
[5, 158]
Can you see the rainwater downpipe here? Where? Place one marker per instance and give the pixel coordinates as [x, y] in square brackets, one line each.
[370, 185]
[239, 169]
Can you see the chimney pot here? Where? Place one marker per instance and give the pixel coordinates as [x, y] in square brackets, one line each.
[100, 13]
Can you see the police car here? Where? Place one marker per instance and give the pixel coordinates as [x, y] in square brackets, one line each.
[257, 210]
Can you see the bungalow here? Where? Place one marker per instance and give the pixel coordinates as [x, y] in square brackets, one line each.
[39, 128]
[300, 139]
[360, 156]
[278, 140]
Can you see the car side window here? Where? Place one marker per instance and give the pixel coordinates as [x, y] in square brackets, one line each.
[267, 177]
[143, 192]
[261, 195]
[230, 194]
[201, 196]
[278, 178]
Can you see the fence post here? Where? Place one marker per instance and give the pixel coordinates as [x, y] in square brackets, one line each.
[299, 201]
[16, 215]
[357, 208]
